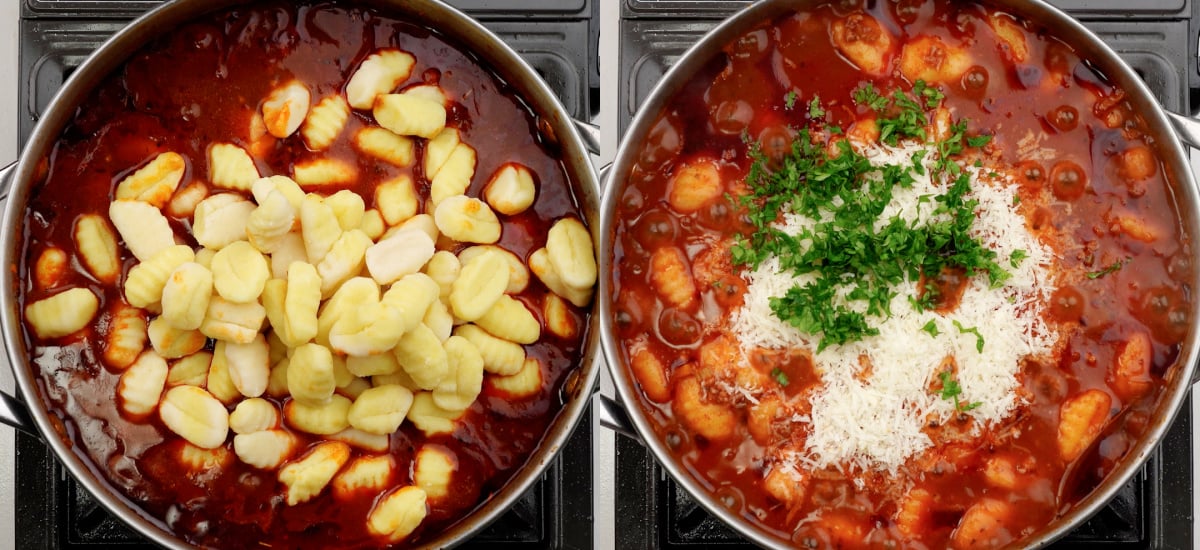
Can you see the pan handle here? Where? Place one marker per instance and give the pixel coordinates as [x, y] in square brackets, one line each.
[1187, 128]
[613, 416]
[590, 134]
[12, 411]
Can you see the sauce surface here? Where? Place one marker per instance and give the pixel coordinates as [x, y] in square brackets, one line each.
[200, 84]
[1087, 182]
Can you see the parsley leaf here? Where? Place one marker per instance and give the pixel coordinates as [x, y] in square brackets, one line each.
[814, 108]
[789, 100]
[931, 328]
[979, 141]
[972, 330]
[780, 376]
[1016, 257]
[1116, 266]
[951, 390]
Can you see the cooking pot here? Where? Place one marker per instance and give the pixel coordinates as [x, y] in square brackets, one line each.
[29, 412]
[1170, 131]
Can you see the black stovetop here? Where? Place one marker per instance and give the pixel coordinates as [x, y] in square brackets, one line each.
[1154, 510]
[559, 38]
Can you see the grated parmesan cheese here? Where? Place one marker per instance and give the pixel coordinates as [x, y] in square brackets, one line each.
[876, 421]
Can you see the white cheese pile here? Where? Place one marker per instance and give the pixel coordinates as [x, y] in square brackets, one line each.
[877, 423]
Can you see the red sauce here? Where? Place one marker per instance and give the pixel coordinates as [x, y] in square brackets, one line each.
[1070, 199]
[199, 84]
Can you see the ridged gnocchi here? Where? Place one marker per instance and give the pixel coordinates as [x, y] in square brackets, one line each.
[479, 286]
[410, 115]
[500, 356]
[221, 220]
[195, 415]
[171, 342]
[433, 467]
[62, 314]
[325, 122]
[253, 415]
[155, 182]
[459, 389]
[509, 319]
[310, 374]
[145, 282]
[142, 227]
[249, 365]
[381, 409]
[386, 146]
[467, 220]
[265, 449]
[97, 246]
[231, 167]
[422, 357]
[401, 254]
[428, 417]
[368, 474]
[325, 419]
[141, 385]
[378, 74]
[455, 175]
[51, 267]
[183, 204]
[324, 172]
[186, 294]
[307, 476]
[398, 514]
[396, 199]
[518, 274]
[525, 383]
[233, 322]
[126, 336]
[511, 190]
[191, 370]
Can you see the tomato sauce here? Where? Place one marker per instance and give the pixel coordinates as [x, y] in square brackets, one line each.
[1066, 136]
[199, 84]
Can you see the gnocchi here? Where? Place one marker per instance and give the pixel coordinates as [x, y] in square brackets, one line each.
[432, 469]
[467, 219]
[370, 474]
[398, 514]
[186, 294]
[142, 227]
[459, 389]
[511, 320]
[325, 122]
[325, 419]
[231, 167]
[285, 108]
[455, 175]
[306, 477]
[171, 342]
[265, 449]
[62, 314]
[253, 415]
[511, 190]
[221, 220]
[523, 384]
[378, 74]
[97, 246]
[479, 286]
[386, 146]
[141, 385]
[126, 336]
[155, 182]
[195, 415]
[381, 409]
[410, 115]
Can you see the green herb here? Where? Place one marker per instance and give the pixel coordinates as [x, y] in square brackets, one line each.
[789, 100]
[867, 96]
[780, 376]
[814, 108]
[931, 328]
[972, 330]
[979, 141]
[951, 390]
[1117, 265]
[1016, 257]
[854, 253]
[1016, 200]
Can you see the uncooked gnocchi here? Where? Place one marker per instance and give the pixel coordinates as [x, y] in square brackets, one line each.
[97, 246]
[62, 314]
[155, 182]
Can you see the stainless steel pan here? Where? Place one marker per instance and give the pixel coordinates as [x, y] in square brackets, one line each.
[1170, 130]
[28, 412]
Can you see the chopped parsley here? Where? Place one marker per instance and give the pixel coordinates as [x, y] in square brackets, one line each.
[951, 390]
[972, 330]
[1116, 266]
[789, 100]
[931, 328]
[814, 108]
[1016, 258]
[780, 376]
[855, 253]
